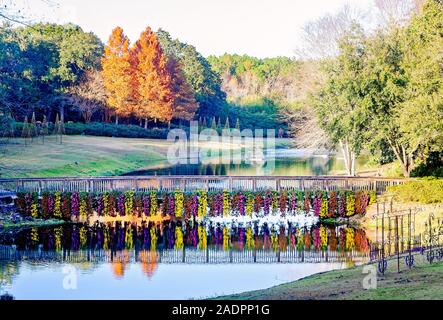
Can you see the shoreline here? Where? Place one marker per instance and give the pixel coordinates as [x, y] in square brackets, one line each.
[421, 282]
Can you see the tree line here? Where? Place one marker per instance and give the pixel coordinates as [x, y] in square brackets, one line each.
[384, 91]
[51, 69]
[262, 91]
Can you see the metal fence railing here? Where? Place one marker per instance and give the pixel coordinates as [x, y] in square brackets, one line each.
[191, 183]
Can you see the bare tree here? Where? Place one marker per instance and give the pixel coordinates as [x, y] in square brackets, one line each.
[396, 12]
[303, 125]
[418, 5]
[10, 11]
[90, 95]
[320, 37]
[20, 12]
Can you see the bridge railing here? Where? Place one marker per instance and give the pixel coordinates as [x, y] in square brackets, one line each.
[191, 183]
[189, 256]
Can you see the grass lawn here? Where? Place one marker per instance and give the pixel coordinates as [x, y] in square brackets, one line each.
[79, 156]
[89, 156]
[422, 282]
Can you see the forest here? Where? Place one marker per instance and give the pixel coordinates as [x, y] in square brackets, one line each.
[383, 92]
[51, 70]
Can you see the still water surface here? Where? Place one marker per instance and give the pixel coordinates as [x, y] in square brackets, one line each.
[43, 280]
[169, 260]
[295, 162]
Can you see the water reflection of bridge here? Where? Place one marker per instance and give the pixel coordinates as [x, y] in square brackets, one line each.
[188, 255]
[192, 183]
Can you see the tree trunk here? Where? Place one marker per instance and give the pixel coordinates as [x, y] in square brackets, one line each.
[146, 123]
[406, 160]
[353, 172]
[106, 116]
[348, 157]
[62, 110]
[116, 119]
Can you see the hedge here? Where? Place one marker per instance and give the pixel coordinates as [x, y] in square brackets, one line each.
[425, 191]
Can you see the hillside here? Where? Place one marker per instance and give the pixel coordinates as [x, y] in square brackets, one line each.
[262, 90]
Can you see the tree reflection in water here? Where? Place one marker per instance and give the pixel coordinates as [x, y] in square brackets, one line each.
[186, 241]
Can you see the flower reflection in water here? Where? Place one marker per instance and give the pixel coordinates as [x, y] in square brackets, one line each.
[148, 243]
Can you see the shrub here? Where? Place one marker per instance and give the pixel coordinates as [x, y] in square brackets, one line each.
[105, 130]
[433, 166]
[429, 190]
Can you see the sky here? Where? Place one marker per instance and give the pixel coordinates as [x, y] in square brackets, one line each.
[261, 28]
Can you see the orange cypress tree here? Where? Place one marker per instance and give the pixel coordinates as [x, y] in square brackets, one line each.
[185, 105]
[134, 96]
[154, 94]
[117, 73]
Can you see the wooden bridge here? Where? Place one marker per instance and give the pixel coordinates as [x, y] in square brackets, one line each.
[188, 255]
[192, 183]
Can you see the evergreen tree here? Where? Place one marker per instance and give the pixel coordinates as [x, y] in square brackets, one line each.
[7, 127]
[214, 125]
[26, 130]
[59, 128]
[205, 82]
[33, 127]
[44, 131]
[339, 103]
[227, 127]
[237, 124]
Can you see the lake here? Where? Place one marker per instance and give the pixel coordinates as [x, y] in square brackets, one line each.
[171, 259]
[279, 162]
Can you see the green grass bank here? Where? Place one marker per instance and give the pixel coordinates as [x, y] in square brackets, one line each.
[421, 282]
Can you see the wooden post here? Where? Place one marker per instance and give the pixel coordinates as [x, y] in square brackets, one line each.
[184, 255]
[397, 238]
[389, 235]
[383, 232]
